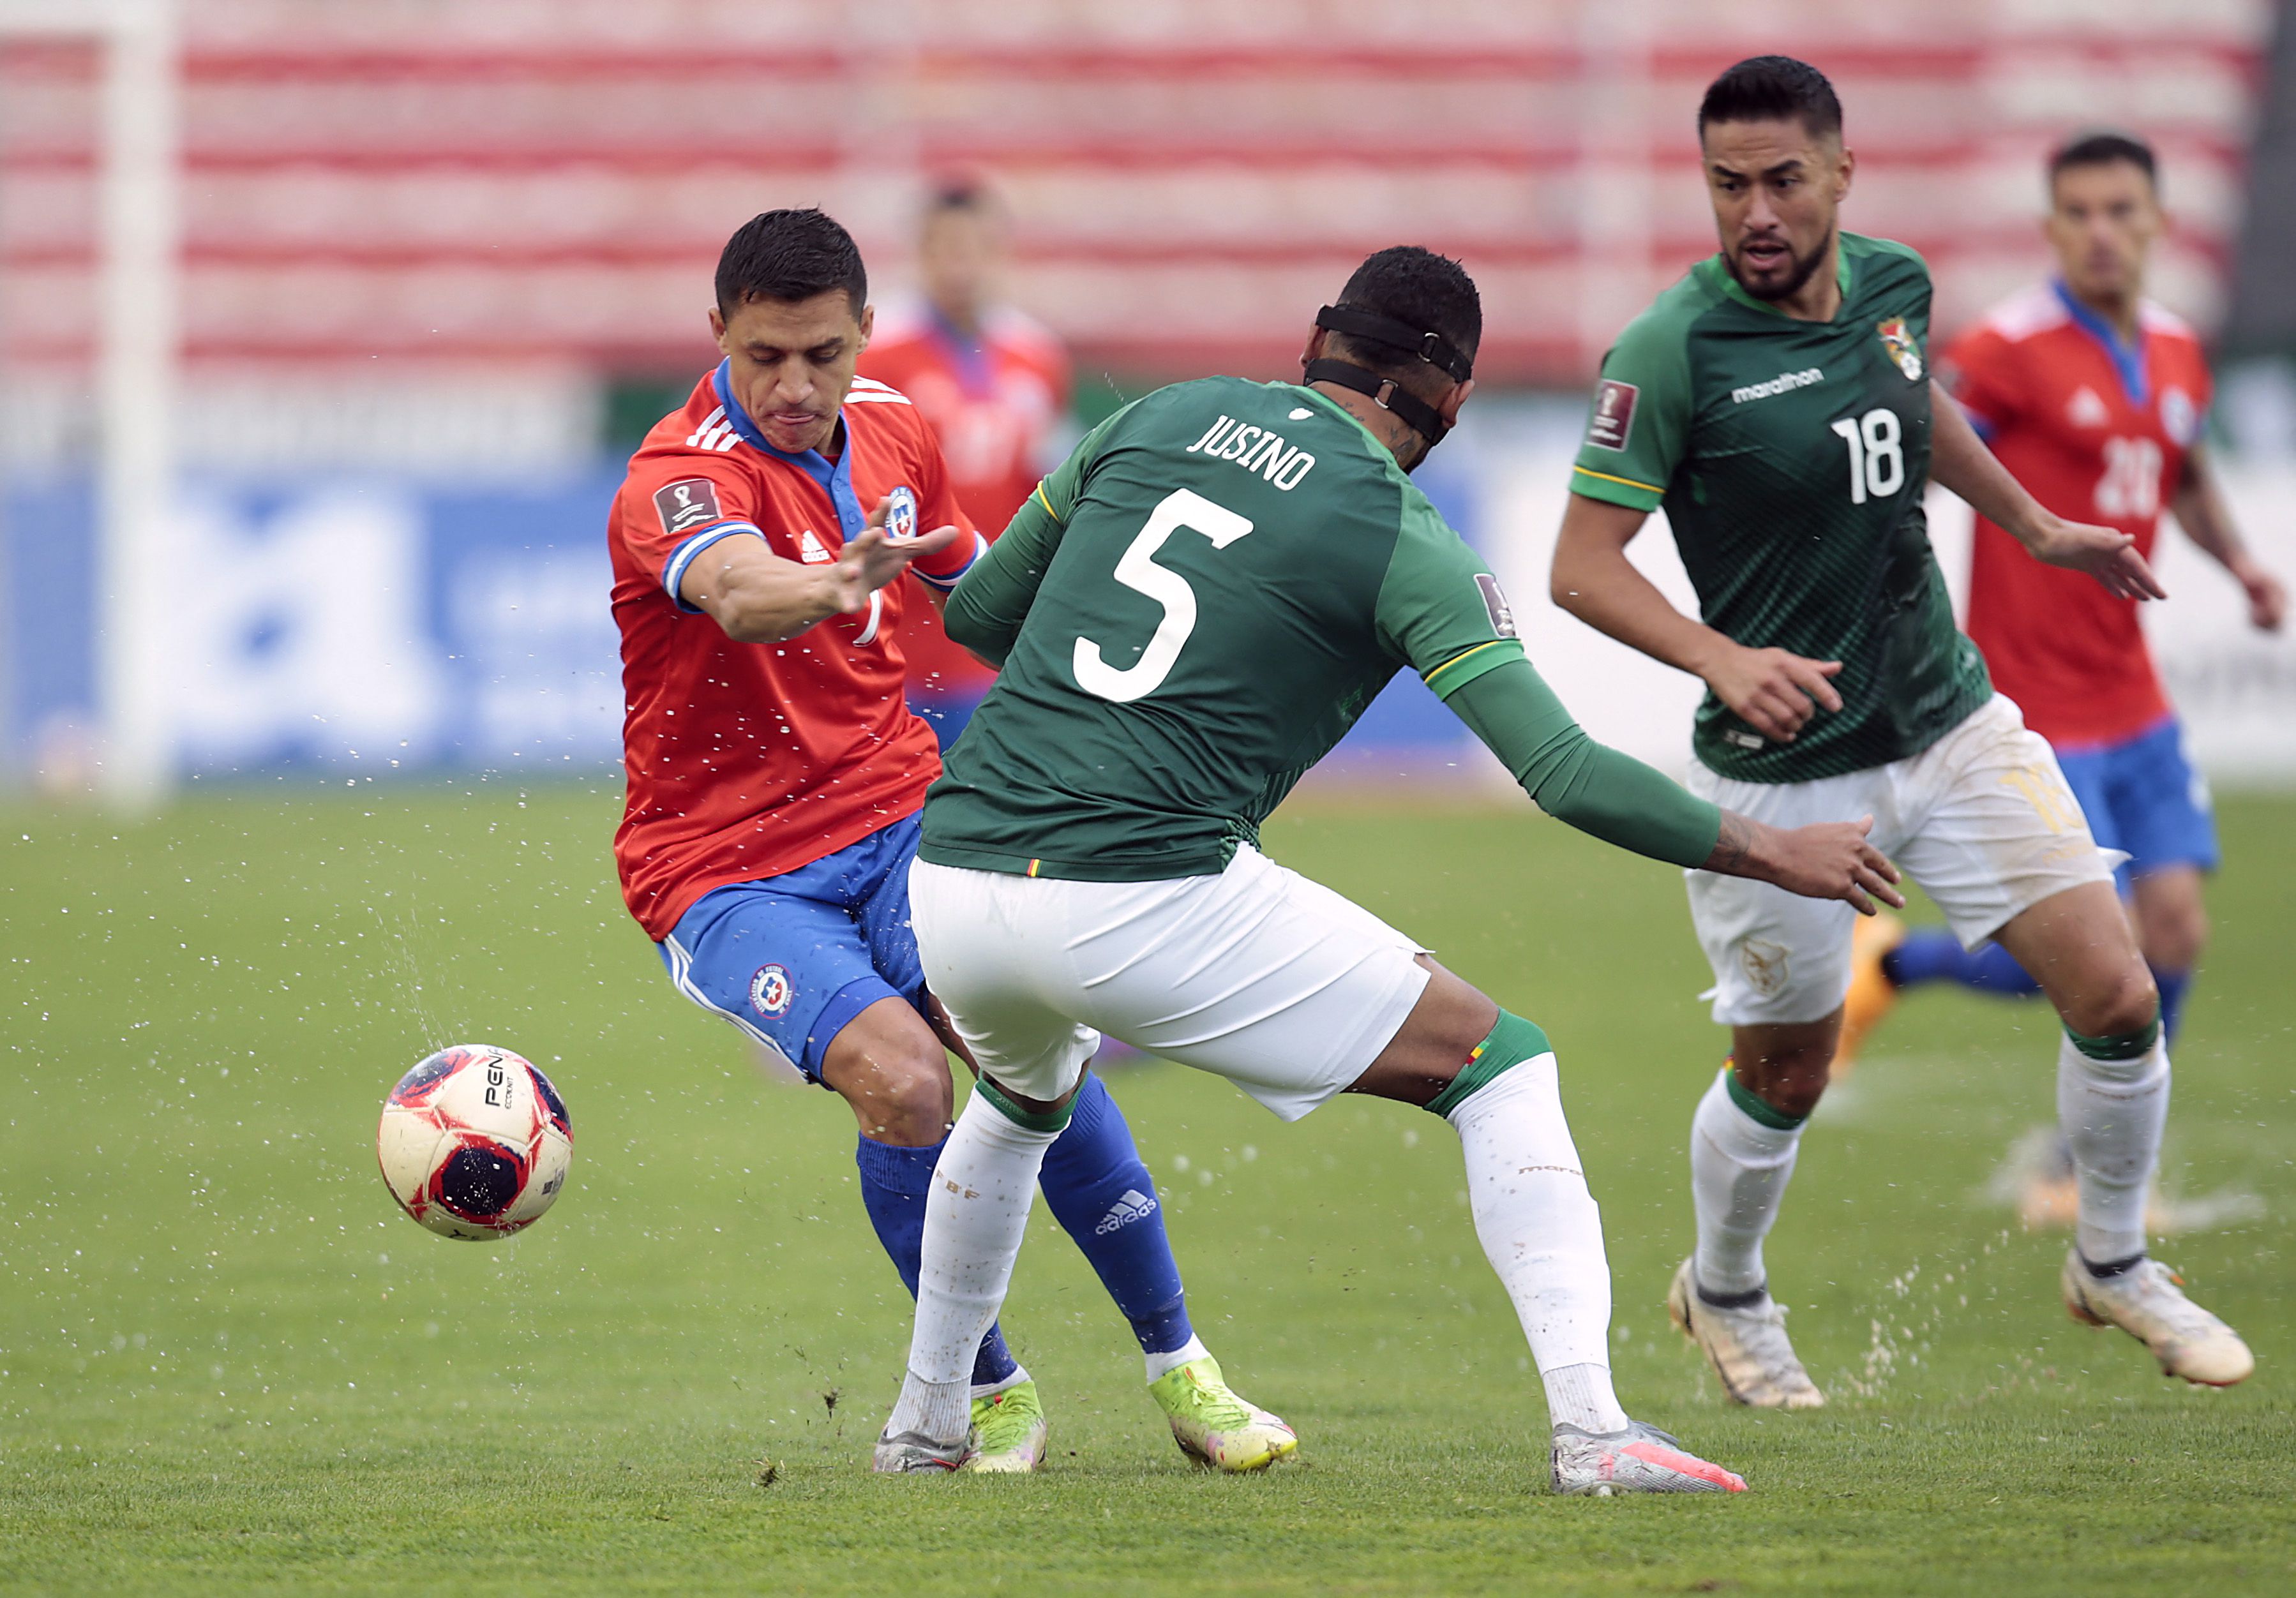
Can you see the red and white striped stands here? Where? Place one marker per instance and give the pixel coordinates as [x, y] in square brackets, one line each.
[418, 185]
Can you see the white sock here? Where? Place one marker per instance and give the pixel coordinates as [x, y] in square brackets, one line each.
[1738, 1174]
[976, 1213]
[1542, 1235]
[2111, 1112]
[1581, 1396]
[1172, 1359]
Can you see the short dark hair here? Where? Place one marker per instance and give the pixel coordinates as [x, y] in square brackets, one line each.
[2103, 148]
[959, 192]
[1419, 288]
[1773, 88]
[790, 255]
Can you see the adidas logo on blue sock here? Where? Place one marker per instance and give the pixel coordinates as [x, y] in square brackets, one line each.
[1126, 1210]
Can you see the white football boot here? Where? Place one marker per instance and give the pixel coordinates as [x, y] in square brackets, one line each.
[1747, 1348]
[2147, 1302]
[1640, 1459]
[913, 1453]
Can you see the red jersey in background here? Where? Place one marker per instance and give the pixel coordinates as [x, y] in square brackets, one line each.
[991, 403]
[747, 760]
[2097, 430]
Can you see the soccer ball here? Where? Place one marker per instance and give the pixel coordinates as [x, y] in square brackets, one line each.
[474, 1143]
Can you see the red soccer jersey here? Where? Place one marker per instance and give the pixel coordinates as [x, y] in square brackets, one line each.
[2097, 430]
[991, 403]
[747, 760]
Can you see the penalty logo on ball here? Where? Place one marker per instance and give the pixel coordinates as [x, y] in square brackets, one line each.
[771, 990]
[901, 514]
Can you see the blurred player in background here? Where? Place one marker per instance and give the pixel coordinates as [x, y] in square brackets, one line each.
[1776, 402]
[776, 776]
[992, 384]
[2095, 399]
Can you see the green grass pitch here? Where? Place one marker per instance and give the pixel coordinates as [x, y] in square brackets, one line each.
[227, 1363]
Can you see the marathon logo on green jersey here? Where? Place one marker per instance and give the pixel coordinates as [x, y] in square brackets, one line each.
[1785, 382]
[1255, 449]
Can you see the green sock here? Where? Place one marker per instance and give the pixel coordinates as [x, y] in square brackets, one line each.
[1032, 1120]
[2124, 1045]
[1760, 1110]
[1510, 1043]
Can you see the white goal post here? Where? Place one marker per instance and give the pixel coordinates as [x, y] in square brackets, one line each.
[138, 352]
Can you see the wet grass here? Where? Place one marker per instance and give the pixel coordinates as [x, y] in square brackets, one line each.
[227, 1363]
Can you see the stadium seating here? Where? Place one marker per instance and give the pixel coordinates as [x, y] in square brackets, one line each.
[543, 185]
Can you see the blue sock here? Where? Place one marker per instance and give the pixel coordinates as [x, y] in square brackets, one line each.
[893, 1183]
[2173, 985]
[1104, 1197]
[1933, 955]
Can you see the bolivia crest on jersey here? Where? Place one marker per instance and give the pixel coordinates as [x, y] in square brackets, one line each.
[901, 514]
[1897, 339]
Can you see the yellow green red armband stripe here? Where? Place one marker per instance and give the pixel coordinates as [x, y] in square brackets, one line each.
[1465, 655]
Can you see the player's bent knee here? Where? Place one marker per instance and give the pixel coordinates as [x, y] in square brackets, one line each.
[890, 1067]
[2124, 1005]
[1788, 1066]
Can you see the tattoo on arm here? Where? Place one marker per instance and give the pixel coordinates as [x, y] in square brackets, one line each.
[1730, 847]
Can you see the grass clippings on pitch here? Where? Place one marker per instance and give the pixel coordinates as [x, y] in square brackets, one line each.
[227, 1362]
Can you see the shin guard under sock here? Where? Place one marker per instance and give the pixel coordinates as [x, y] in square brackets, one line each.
[976, 1213]
[1538, 1223]
[2112, 1102]
[1742, 1155]
[893, 1183]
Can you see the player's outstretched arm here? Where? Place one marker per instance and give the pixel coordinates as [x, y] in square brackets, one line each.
[1770, 690]
[1960, 462]
[1618, 799]
[2200, 509]
[757, 597]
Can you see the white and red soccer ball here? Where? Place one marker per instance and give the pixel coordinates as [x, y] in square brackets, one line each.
[474, 1143]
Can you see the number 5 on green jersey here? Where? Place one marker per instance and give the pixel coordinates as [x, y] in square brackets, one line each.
[1183, 509]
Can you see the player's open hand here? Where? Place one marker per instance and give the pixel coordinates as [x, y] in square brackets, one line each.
[1773, 692]
[876, 558]
[2109, 557]
[1833, 860]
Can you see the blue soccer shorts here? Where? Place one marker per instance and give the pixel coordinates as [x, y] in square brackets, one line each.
[791, 959]
[2143, 795]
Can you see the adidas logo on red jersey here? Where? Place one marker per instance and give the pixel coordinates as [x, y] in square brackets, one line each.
[714, 433]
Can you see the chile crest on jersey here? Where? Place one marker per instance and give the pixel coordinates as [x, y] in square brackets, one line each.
[901, 513]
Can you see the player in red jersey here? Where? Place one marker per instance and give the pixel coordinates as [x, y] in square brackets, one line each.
[991, 383]
[775, 773]
[2094, 398]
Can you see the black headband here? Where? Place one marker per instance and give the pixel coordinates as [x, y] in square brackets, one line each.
[1372, 328]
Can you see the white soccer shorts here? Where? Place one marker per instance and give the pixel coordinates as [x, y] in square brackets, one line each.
[1981, 819]
[1258, 975]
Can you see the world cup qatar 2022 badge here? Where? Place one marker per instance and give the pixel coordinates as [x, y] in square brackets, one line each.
[901, 514]
[771, 991]
[1897, 339]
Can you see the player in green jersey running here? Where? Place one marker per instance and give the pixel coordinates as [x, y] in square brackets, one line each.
[1778, 404]
[1188, 614]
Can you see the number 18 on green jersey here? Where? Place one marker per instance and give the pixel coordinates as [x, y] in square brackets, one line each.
[1791, 458]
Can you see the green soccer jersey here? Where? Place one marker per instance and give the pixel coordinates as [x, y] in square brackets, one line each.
[1791, 458]
[1189, 614]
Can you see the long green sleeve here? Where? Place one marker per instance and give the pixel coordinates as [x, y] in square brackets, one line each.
[1591, 786]
[985, 611]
